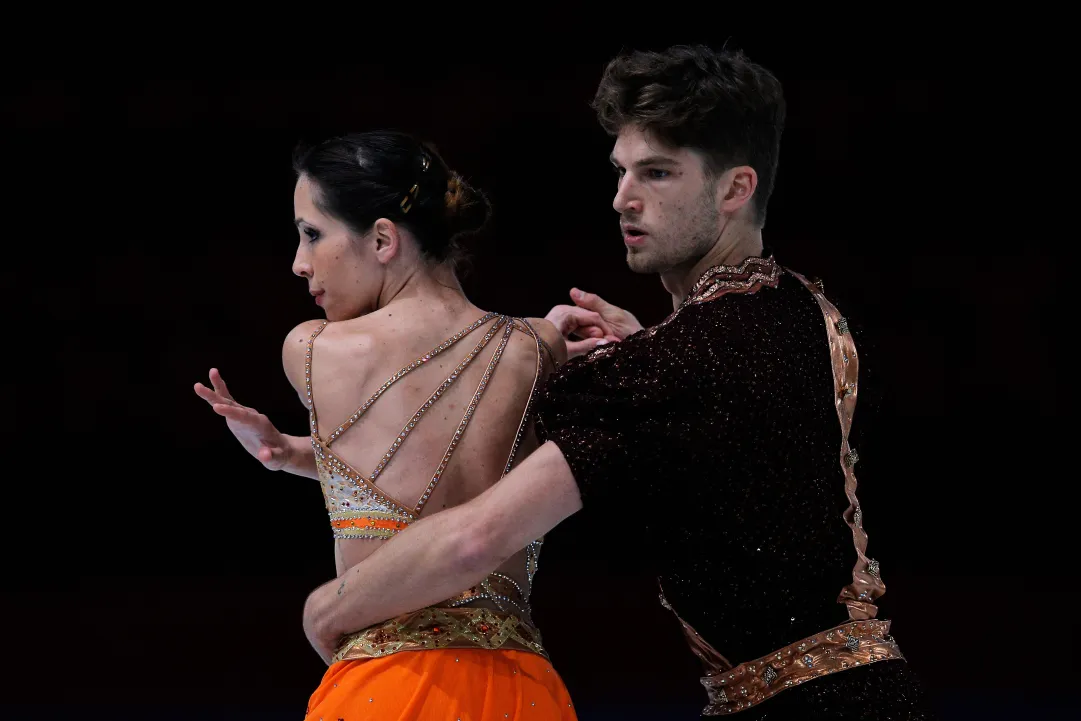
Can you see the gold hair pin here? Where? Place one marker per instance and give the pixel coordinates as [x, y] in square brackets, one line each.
[407, 201]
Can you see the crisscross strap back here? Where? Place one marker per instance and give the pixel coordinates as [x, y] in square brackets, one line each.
[466, 417]
[507, 595]
[360, 510]
[390, 381]
[394, 510]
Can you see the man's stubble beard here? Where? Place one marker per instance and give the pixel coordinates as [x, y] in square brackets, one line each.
[699, 237]
[640, 262]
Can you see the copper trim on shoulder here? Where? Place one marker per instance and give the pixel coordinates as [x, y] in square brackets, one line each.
[747, 277]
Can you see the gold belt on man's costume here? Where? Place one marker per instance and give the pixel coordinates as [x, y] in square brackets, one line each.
[852, 644]
[439, 628]
[733, 688]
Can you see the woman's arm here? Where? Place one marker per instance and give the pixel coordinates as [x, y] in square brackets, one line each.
[275, 450]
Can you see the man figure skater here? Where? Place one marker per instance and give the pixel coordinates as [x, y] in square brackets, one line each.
[714, 445]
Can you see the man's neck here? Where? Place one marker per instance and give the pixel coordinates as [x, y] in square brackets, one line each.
[731, 248]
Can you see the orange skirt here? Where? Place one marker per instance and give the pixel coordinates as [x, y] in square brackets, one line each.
[441, 684]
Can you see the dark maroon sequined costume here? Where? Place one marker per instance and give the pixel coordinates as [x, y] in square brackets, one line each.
[717, 431]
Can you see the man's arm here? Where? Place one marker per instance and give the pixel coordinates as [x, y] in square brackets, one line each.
[439, 556]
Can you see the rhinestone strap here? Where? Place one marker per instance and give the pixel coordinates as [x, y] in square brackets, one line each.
[522, 607]
[308, 377]
[468, 416]
[526, 415]
[326, 458]
[345, 526]
[541, 342]
[532, 561]
[498, 588]
[509, 580]
[533, 549]
[390, 381]
[408, 427]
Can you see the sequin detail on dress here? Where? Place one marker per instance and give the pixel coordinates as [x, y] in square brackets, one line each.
[359, 509]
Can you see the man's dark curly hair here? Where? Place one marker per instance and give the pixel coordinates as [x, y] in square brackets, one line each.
[718, 103]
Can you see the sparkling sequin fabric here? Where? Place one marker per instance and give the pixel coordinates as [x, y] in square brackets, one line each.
[717, 432]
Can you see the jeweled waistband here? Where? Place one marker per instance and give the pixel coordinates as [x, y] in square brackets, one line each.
[847, 646]
[438, 628]
[367, 524]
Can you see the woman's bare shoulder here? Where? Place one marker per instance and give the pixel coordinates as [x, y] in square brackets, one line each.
[295, 350]
[552, 341]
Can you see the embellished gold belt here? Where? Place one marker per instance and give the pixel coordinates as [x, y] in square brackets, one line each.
[849, 645]
[438, 628]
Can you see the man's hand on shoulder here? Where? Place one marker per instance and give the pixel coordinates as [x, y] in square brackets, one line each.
[591, 322]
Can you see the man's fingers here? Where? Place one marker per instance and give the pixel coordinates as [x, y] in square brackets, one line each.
[581, 347]
[592, 319]
[592, 301]
[582, 318]
[614, 315]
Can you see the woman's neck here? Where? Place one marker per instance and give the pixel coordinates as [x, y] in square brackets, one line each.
[433, 285]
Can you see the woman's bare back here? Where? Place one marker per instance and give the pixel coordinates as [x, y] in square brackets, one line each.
[352, 359]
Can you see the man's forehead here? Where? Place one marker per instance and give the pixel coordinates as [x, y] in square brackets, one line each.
[634, 146]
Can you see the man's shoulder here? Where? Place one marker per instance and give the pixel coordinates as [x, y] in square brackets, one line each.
[740, 307]
[735, 323]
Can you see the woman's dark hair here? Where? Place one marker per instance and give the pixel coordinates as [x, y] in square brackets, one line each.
[362, 177]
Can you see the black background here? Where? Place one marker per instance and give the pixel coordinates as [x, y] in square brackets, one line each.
[153, 570]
